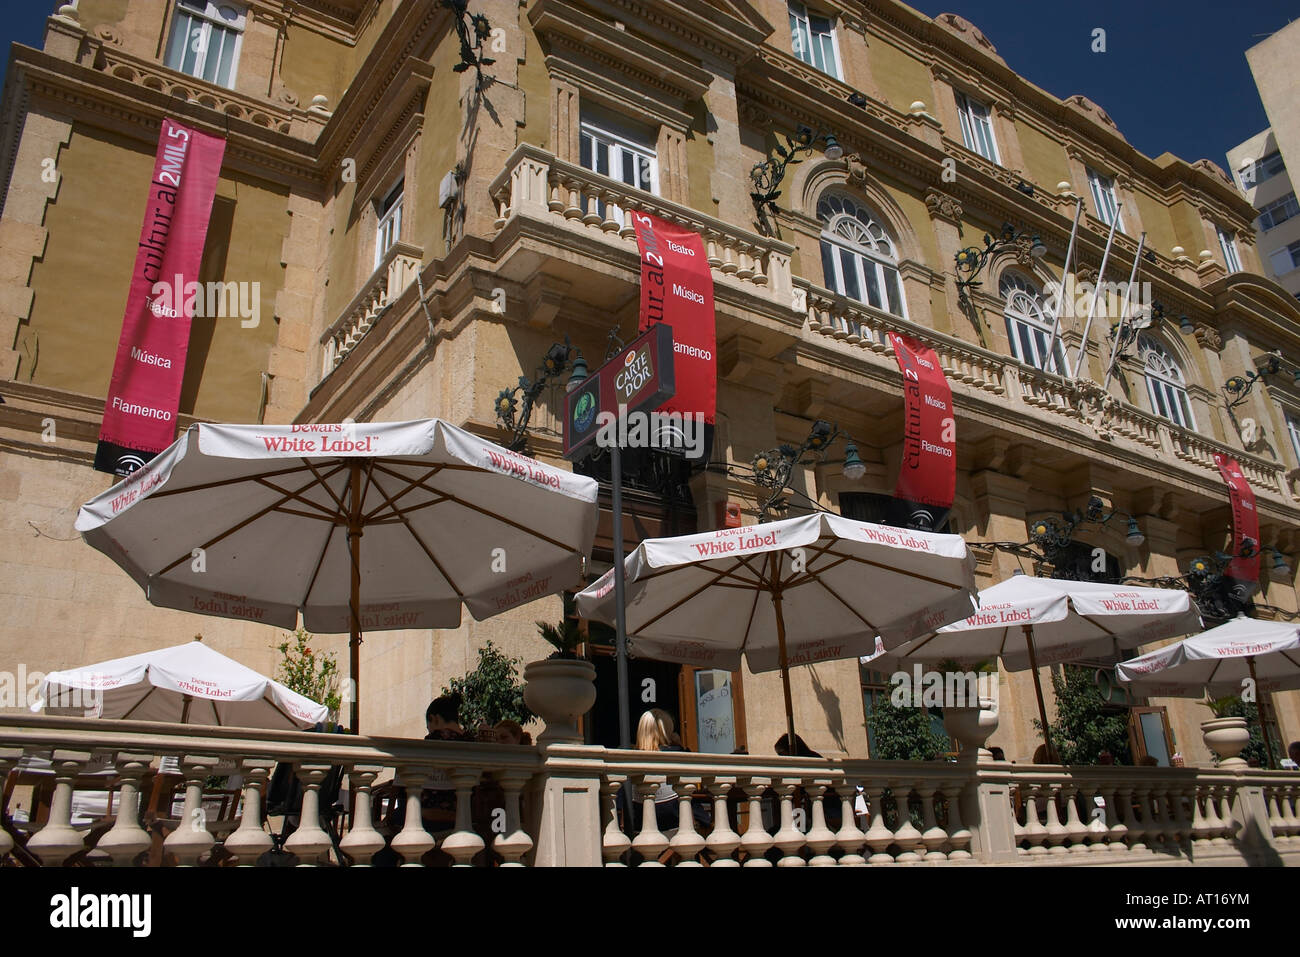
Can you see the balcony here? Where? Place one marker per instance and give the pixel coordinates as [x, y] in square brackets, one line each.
[559, 805]
[389, 280]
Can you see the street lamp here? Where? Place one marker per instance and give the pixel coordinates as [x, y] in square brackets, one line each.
[559, 358]
[1238, 387]
[972, 259]
[769, 174]
[774, 468]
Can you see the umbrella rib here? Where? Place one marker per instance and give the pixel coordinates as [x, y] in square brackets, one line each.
[338, 499]
[319, 562]
[131, 710]
[822, 550]
[915, 575]
[227, 533]
[853, 611]
[685, 598]
[411, 485]
[296, 496]
[163, 493]
[419, 541]
[492, 515]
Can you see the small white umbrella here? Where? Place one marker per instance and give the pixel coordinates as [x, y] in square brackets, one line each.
[183, 684]
[1029, 622]
[814, 588]
[1220, 661]
[262, 522]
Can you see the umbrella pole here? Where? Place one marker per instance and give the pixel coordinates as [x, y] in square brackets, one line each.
[1038, 691]
[185, 709]
[785, 670]
[1262, 710]
[354, 597]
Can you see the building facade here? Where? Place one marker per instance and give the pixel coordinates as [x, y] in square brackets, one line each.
[1260, 163]
[421, 236]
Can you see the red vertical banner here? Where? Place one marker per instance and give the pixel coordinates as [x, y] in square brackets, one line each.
[144, 393]
[928, 472]
[677, 289]
[1245, 520]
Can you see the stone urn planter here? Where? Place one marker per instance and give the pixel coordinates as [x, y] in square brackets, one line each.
[972, 727]
[560, 690]
[1226, 737]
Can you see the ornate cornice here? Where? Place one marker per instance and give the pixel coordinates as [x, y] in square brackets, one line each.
[943, 206]
[1209, 337]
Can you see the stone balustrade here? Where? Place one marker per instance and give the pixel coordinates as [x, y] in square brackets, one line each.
[393, 275]
[537, 185]
[572, 804]
[1192, 447]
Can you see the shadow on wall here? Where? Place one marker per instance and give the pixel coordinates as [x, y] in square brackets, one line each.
[830, 704]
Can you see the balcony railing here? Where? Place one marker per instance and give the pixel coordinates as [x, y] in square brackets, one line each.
[537, 185]
[580, 805]
[858, 325]
[389, 280]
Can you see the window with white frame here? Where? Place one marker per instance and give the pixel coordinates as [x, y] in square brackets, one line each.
[1166, 386]
[1293, 430]
[205, 40]
[1028, 327]
[389, 229]
[812, 39]
[608, 147]
[858, 256]
[1252, 174]
[1228, 244]
[977, 128]
[1103, 198]
[1278, 211]
[1285, 259]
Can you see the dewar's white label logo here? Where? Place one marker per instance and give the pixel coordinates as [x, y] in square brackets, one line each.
[76, 910]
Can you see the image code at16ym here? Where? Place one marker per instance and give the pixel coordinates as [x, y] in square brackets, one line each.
[1166, 900]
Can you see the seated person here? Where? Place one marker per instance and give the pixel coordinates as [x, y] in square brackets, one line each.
[509, 732]
[831, 802]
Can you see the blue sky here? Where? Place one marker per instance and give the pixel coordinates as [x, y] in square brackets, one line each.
[1174, 75]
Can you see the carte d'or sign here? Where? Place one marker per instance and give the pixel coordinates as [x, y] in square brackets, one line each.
[639, 378]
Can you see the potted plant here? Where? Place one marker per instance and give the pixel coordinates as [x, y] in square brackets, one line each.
[971, 723]
[560, 688]
[1226, 734]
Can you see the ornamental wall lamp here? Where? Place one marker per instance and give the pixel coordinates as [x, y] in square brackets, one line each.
[971, 260]
[560, 358]
[1237, 388]
[1053, 537]
[768, 175]
[774, 468]
[472, 30]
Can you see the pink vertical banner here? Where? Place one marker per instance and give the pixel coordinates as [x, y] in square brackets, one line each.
[1245, 520]
[144, 393]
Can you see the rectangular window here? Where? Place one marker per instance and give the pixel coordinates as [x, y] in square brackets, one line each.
[1228, 245]
[1103, 198]
[1285, 259]
[812, 38]
[1278, 212]
[977, 128]
[389, 229]
[1257, 172]
[205, 40]
[623, 154]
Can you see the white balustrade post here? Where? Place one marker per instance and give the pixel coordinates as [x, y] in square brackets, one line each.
[907, 836]
[686, 843]
[722, 840]
[850, 838]
[756, 842]
[933, 836]
[464, 843]
[878, 836]
[1057, 833]
[820, 838]
[250, 840]
[413, 841]
[310, 840]
[58, 839]
[1035, 830]
[650, 842]
[362, 841]
[959, 836]
[789, 839]
[515, 842]
[191, 839]
[614, 842]
[127, 840]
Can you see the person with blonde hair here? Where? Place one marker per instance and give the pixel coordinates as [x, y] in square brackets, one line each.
[656, 731]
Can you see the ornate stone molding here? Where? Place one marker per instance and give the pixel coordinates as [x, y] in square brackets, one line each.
[1208, 337]
[943, 206]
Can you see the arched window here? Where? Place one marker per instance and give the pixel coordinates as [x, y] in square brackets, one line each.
[858, 256]
[1165, 384]
[1028, 328]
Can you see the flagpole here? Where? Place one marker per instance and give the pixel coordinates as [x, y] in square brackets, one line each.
[1060, 299]
[1123, 312]
[1092, 310]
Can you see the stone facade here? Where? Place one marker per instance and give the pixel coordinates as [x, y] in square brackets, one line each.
[335, 104]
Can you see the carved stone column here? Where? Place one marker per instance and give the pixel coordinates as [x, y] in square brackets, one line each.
[362, 842]
[250, 841]
[310, 841]
[127, 840]
[191, 839]
[58, 839]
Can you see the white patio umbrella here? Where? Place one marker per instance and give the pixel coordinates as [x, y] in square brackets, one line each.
[183, 684]
[1029, 622]
[814, 588]
[262, 523]
[1219, 661]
